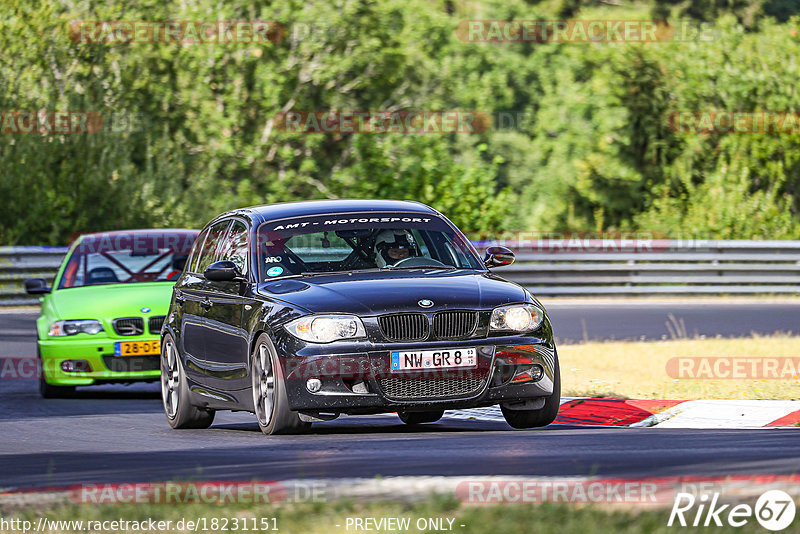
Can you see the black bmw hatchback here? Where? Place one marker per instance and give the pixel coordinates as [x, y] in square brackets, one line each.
[303, 311]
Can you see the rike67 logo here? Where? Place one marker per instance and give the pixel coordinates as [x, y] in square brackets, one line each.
[774, 510]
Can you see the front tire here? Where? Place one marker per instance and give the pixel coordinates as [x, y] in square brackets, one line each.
[544, 415]
[418, 418]
[49, 391]
[270, 402]
[175, 392]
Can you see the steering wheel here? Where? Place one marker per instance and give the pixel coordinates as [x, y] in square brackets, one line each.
[416, 261]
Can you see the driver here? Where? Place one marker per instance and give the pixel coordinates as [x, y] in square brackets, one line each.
[392, 246]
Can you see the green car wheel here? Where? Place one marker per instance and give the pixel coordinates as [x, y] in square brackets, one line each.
[49, 391]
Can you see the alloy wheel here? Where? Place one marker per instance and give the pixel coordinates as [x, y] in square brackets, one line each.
[263, 385]
[170, 375]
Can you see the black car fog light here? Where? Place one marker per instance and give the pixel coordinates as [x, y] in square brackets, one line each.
[76, 366]
[533, 373]
[360, 387]
[537, 372]
[313, 385]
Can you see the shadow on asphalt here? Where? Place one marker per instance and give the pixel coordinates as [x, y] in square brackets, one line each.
[381, 425]
[20, 400]
[89, 394]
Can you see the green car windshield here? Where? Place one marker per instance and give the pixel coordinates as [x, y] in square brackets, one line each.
[361, 241]
[121, 258]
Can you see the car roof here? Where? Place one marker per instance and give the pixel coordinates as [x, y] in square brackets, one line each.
[140, 232]
[132, 234]
[269, 212]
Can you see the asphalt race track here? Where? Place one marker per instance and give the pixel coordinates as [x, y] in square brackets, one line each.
[119, 434]
[574, 322]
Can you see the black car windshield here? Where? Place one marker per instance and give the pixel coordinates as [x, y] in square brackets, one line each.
[360, 241]
[120, 257]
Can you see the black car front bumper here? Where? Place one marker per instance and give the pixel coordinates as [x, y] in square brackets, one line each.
[356, 378]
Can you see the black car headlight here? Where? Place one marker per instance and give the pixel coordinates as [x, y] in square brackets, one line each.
[516, 318]
[70, 328]
[326, 328]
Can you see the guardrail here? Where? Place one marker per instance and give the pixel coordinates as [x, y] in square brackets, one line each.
[578, 267]
[647, 267]
[20, 263]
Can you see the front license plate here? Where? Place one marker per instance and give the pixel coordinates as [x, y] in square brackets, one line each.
[137, 348]
[433, 359]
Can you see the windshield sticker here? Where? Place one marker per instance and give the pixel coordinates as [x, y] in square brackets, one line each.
[274, 271]
[272, 259]
[365, 220]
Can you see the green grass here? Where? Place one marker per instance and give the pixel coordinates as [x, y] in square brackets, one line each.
[310, 518]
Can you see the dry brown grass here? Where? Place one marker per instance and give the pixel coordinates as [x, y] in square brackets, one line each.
[638, 369]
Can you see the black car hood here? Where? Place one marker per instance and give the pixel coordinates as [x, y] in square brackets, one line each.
[372, 293]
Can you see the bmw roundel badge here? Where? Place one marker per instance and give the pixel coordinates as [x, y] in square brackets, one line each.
[425, 303]
[145, 310]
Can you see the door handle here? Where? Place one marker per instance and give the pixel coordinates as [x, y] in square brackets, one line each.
[206, 304]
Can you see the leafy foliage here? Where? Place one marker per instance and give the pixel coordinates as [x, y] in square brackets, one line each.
[588, 145]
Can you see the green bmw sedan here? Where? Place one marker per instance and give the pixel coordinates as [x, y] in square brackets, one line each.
[101, 320]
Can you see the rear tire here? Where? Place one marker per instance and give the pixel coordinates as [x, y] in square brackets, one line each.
[544, 415]
[49, 391]
[418, 418]
[175, 392]
[270, 402]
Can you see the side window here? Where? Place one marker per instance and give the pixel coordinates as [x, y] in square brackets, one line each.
[211, 245]
[235, 247]
[458, 249]
[73, 274]
[195, 254]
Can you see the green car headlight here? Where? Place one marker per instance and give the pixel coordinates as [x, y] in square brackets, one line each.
[70, 328]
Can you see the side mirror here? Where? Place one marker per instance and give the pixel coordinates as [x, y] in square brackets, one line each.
[36, 286]
[498, 257]
[223, 271]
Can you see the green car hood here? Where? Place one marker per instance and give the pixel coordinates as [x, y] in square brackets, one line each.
[107, 302]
